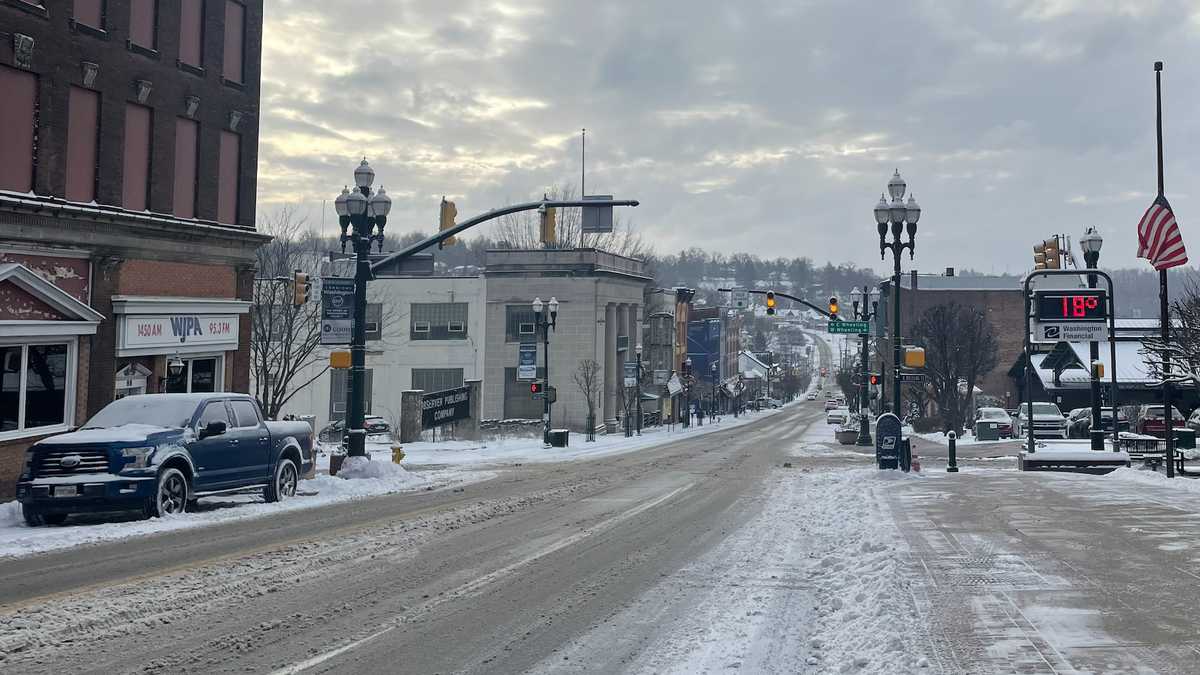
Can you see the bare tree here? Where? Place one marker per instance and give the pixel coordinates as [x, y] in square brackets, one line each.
[523, 231]
[588, 378]
[1184, 347]
[284, 337]
[960, 348]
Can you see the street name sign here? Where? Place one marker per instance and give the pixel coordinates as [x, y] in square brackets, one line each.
[527, 361]
[850, 327]
[597, 219]
[912, 377]
[337, 310]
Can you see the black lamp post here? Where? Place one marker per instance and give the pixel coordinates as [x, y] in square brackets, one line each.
[366, 212]
[861, 313]
[546, 320]
[638, 387]
[687, 392]
[897, 214]
[715, 374]
[1091, 241]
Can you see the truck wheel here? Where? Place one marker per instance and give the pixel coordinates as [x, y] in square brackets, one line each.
[171, 497]
[283, 483]
[33, 517]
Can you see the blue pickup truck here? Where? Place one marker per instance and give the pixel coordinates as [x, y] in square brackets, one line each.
[159, 453]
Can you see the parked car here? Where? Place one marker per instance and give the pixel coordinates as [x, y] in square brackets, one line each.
[1193, 422]
[374, 424]
[837, 416]
[831, 404]
[159, 453]
[1080, 422]
[1151, 420]
[1048, 421]
[999, 416]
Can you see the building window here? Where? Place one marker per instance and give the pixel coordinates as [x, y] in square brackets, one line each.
[235, 33]
[374, 327]
[143, 22]
[229, 177]
[436, 379]
[519, 403]
[89, 13]
[191, 32]
[339, 385]
[199, 375]
[520, 323]
[18, 119]
[136, 178]
[439, 321]
[187, 134]
[82, 139]
[35, 387]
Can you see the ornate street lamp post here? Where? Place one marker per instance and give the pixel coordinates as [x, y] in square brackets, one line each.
[364, 212]
[898, 215]
[1091, 241]
[862, 313]
[638, 350]
[546, 320]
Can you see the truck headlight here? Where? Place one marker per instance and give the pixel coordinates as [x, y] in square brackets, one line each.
[139, 457]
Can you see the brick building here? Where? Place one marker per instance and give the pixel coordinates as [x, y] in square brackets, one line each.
[128, 154]
[999, 297]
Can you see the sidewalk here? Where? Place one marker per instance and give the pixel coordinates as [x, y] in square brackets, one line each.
[1049, 573]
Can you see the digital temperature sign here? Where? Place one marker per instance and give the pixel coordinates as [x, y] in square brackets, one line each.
[1085, 305]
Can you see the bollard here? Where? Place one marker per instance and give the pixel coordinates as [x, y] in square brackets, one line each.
[952, 464]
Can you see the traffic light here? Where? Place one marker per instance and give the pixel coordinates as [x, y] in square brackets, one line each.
[770, 303]
[549, 225]
[1039, 257]
[833, 308]
[446, 221]
[874, 379]
[536, 387]
[1053, 253]
[301, 287]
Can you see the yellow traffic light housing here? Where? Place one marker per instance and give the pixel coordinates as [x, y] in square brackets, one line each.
[770, 303]
[446, 217]
[549, 225]
[833, 308]
[1053, 253]
[914, 357]
[301, 287]
[1039, 257]
[1098, 370]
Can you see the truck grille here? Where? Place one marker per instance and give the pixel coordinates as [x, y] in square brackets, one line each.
[48, 463]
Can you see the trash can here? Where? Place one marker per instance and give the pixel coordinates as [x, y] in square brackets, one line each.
[987, 431]
[1185, 438]
[559, 438]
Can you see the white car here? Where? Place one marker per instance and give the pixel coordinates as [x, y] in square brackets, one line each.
[811, 396]
[1048, 420]
[837, 416]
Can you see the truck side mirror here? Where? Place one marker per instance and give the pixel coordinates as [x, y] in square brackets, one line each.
[213, 429]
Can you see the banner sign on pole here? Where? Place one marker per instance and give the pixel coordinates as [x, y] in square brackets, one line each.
[527, 361]
[444, 407]
[337, 310]
[674, 386]
[631, 374]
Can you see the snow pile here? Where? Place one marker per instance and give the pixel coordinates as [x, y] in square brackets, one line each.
[1154, 479]
[367, 468]
[967, 438]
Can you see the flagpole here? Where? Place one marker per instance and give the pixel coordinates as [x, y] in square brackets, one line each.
[1164, 304]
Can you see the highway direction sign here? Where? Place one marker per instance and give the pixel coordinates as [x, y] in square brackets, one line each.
[850, 327]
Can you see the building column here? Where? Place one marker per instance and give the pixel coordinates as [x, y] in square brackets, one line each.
[610, 366]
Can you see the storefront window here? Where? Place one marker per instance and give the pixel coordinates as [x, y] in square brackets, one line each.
[198, 375]
[34, 381]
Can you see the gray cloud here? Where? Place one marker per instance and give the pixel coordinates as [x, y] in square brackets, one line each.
[763, 126]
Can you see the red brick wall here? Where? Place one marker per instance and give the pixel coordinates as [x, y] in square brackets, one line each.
[154, 277]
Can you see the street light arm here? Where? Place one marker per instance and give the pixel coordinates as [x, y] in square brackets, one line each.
[492, 215]
[789, 297]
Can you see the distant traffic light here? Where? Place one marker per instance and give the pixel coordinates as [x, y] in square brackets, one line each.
[833, 308]
[301, 287]
[1053, 253]
[874, 379]
[549, 224]
[770, 303]
[536, 387]
[446, 217]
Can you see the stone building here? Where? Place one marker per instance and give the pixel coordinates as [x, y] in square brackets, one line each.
[128, 155]
[600, 296]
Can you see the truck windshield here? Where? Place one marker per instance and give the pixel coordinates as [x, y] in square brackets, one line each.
[1046, 409]
[158, 411]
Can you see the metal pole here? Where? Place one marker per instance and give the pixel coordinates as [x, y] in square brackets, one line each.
[638, 393]
[1097, 430]
[896, 250]
[864, 400]
[1164, 307]
[1028, 371]
[546, 391]
[358, 342]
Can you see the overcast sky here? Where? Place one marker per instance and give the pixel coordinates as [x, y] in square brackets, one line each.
[766, 126]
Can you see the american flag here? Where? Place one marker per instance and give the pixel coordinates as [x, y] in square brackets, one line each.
[1159, 240]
